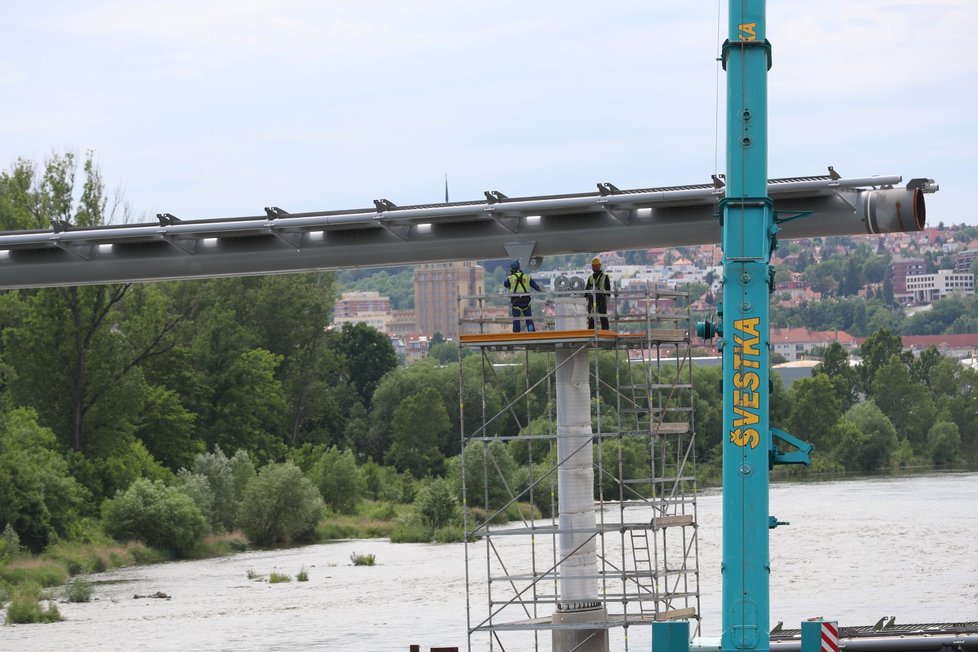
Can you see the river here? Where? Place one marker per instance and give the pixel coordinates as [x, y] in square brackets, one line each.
[855, 550]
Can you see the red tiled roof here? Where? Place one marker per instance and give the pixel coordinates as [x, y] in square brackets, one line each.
[804, 336]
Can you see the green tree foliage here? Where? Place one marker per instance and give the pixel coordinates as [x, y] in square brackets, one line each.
[866, 438]
[875, 352]
[435, 504]
[942, 317]
[836, 366]
[79, 352]
[369, 354]
[338, 479]
[166, 428]
[489, 472]
[908, 405]
[387, 483]
[198, 489]
[815, 408]
[249, 409]
[708, 412]
[444, 352]
[160, 516]
[39, 499]
[280, 505]
[944, 441]
[419, 432]
[623, 460]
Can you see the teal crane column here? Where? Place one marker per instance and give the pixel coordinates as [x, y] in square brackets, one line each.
[747, 238]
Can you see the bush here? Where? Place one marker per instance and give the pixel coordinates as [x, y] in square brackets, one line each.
[198, 489]
[280, 505]
[363, 560]
[435, 504]
[78, 590]
[302, 575]
[278, 578]
[158, 515]
[25, 606]
[339, 480]
[227, 478]
[387, 483]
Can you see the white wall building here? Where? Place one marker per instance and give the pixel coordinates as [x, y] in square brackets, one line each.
[927, 288]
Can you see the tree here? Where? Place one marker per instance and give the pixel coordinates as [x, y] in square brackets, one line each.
[226, 479]
[944, 441]
[867, 439]
[875, 269]
[280, 505]
[835, 365]
[338, 479]
[852, 281]
[876, 351]
[435, 504]
[78, 351]
[815, 408]
[908, 406]
[39, 498]
[418, 433]
[370, 356]
[489, 471]
[248, 409]
[162, 517]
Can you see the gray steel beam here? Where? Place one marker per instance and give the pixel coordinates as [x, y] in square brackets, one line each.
[281, 242]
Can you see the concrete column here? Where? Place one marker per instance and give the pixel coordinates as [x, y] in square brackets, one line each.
[578, 584]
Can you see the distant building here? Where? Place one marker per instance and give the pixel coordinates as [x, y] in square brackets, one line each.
[798, 343]
[927, 288]
[369, 308]
[902, 268]
[402, 323]
[437, 288]
[959, 346]
[964, 259]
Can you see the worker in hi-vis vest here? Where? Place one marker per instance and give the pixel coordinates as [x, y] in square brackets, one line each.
[598, 287]
[519, 286]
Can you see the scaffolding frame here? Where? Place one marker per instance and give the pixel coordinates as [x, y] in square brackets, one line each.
[645, 485]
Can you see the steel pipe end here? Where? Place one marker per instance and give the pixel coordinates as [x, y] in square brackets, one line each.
[895, 210]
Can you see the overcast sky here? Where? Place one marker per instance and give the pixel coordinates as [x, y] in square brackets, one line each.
[211, 108]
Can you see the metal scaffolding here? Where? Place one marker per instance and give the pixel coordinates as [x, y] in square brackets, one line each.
[641, 414]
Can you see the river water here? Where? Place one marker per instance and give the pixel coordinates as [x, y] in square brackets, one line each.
[856, 550]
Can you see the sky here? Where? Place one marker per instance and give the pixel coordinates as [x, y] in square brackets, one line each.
[218, 108]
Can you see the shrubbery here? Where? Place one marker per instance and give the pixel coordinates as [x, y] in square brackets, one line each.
[339, 480]
[25, 606]
[435, 504]
[280, 505]
[160, 516]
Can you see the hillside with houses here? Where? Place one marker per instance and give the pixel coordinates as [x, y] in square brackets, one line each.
[835, 289]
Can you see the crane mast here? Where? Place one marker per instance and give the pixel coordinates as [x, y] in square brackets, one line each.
[748, 238]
